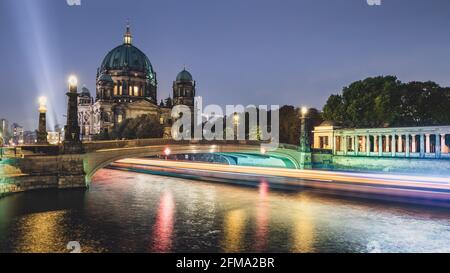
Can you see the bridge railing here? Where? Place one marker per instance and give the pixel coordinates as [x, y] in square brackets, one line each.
[90, 146]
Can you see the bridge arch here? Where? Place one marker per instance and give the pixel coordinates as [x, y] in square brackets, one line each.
[101, 154]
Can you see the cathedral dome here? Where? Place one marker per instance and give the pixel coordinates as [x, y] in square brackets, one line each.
[128, 58]
[126, 74]
[184, 76]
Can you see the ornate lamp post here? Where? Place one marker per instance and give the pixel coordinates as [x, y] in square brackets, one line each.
[72, 143]
[305, 144]
[1, 146]
[42, 130]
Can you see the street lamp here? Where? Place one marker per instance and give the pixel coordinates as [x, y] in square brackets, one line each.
[42, 104]
[72, 142]
[1, 146]
[73, 81]
[305, 143]
[304, 111]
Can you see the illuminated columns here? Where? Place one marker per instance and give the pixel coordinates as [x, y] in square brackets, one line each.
[414, 145]
[368, 144]
[375, 144]
[422, 145]
[380, 145]
[438, 146]
[355, 145]
[407, 146]
[387, 144]
[345, 145]
[400, 144]
[427, 143]
[443, 145]
[334, 144]
[393, 145]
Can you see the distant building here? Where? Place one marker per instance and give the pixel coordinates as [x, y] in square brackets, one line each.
[17, 132]
[4, 131]
[54, 138]
[29, 137]
[127, 88]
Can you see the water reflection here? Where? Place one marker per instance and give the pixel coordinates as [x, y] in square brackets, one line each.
[163, 229]
[262, 218]
[135, 212]
[303, 231]
[41, 233]
[234, 226]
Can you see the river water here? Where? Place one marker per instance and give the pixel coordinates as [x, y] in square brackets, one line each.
[133, 212]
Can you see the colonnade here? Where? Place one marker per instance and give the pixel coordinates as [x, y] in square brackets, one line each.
[432, 142]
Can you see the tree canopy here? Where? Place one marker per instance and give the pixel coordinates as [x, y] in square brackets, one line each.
[387, 102]
[144, 126]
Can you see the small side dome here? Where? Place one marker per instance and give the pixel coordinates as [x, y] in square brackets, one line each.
[85, 92]
[184, 76]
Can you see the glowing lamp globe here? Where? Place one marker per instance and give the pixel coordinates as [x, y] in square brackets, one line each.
[42, 104]
[73, 81]
[304, 111]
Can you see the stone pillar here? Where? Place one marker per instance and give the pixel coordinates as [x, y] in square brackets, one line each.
[387, 144]
[380, 145]
[42, 131]
[375, 144]
[355, 144]
[427, 144]
[72, 143]
[368, 144]
[422, 145]
[334, 144]
[443, 145]
[407, 144]
[345, 142]
[438, 146]
[400, 144]
[414, 145]
[393, 145]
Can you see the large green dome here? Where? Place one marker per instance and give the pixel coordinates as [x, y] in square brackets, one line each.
[128, 57]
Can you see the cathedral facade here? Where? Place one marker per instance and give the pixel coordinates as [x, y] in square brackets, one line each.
[126, 87]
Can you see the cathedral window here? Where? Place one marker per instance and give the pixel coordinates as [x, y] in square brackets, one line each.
[119, 118]
[120, 90]
[115, 89]
[136, 91]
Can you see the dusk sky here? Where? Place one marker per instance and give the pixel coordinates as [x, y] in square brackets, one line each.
[295, 52]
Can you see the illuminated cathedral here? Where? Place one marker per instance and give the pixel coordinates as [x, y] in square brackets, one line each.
[126, 87]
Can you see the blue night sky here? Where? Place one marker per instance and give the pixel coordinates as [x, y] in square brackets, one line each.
[239, 51]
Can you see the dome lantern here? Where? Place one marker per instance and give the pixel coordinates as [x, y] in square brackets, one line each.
[127, 37]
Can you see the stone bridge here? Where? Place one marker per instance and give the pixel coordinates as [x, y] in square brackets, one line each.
[43, 166]
[100, 154]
